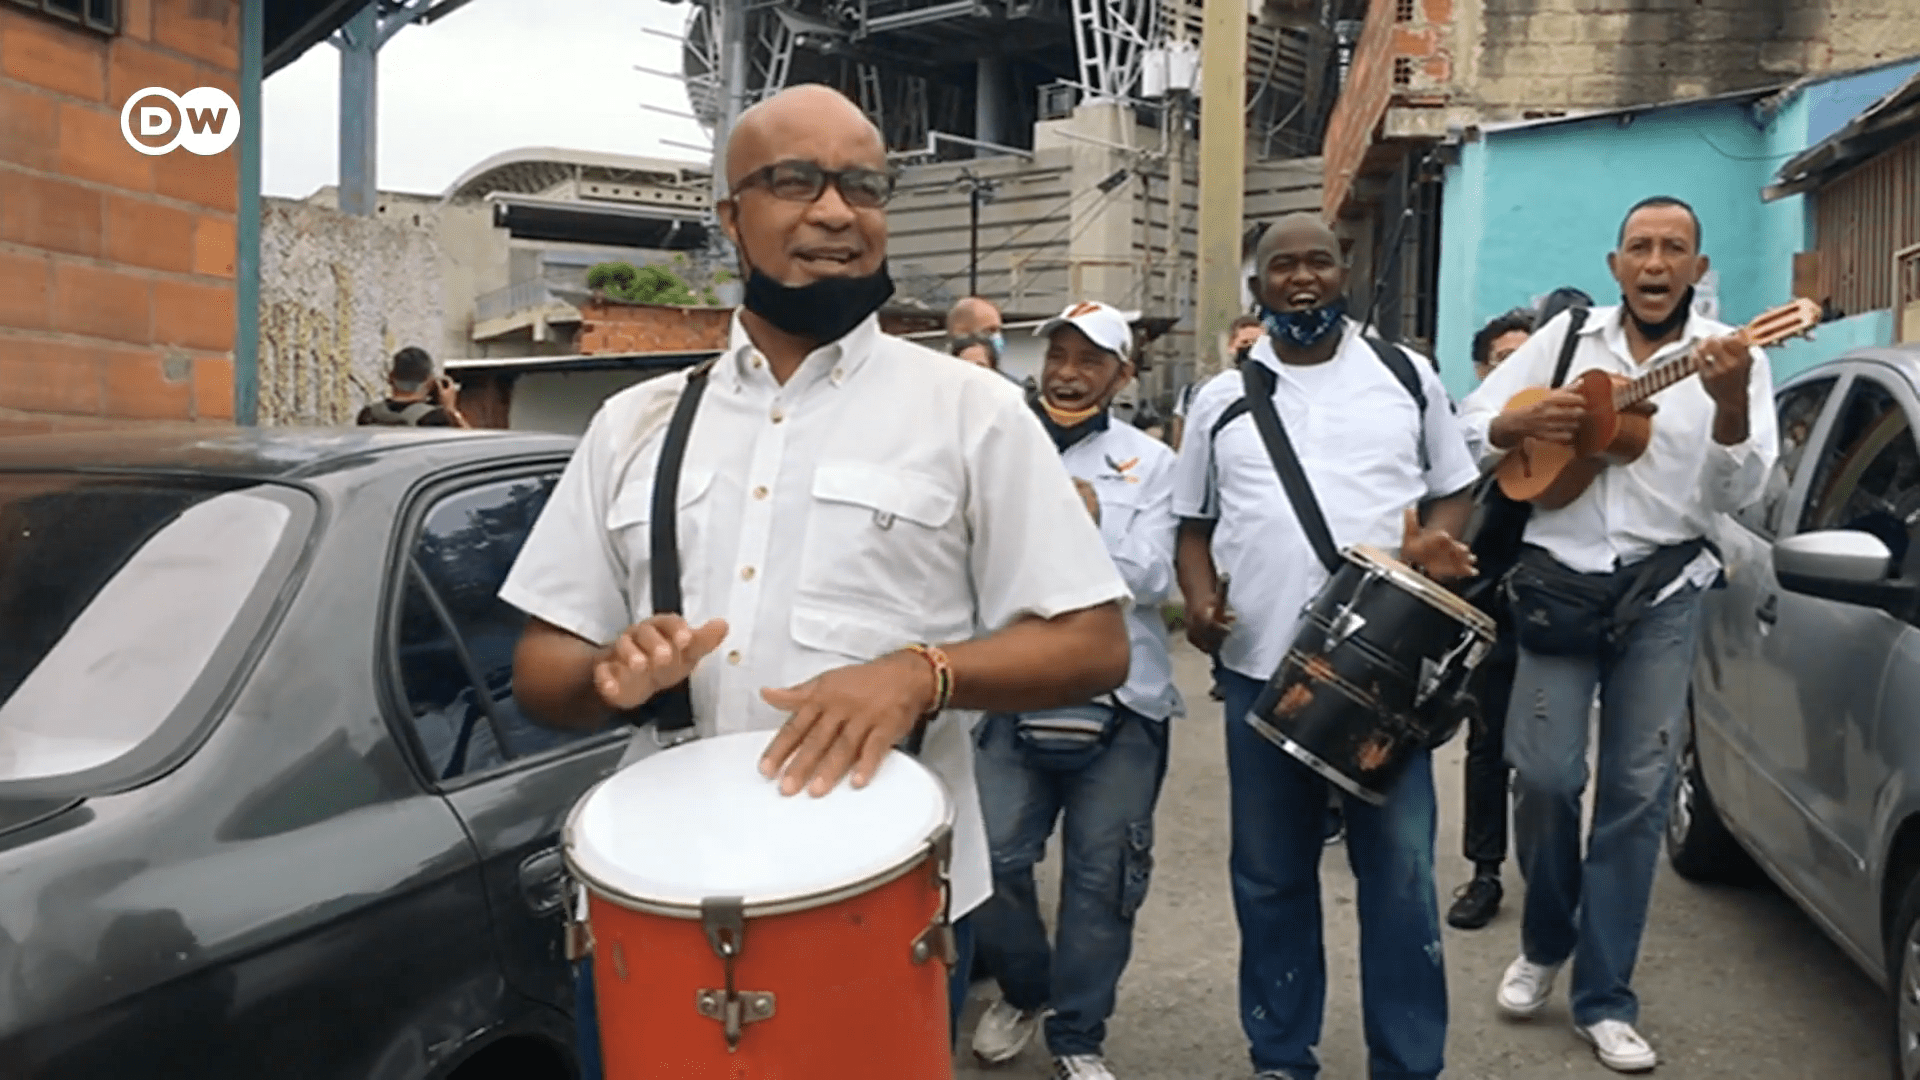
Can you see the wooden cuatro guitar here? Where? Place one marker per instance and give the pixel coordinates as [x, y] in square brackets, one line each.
[1618, 424]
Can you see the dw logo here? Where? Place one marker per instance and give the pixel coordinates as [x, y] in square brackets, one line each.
[204, 120]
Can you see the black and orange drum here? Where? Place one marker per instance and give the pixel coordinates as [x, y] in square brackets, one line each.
[1381, 655]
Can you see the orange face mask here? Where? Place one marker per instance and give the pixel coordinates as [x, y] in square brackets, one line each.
[1067, 418]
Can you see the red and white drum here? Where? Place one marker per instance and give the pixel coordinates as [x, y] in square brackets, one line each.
[740, 934]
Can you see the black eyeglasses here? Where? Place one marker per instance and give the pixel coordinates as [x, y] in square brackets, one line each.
[804, 181]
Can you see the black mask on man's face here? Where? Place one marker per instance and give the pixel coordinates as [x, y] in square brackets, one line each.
[822, 311]
[1675, 319]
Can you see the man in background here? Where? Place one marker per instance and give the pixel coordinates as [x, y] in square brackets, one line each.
[974, 333]
[1243, 334]
[416, 397]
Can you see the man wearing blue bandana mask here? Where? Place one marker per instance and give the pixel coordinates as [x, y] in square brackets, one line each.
[1389, 468]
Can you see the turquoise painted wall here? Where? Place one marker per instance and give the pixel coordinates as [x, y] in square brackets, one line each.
[1830, 340]
[1528, 209]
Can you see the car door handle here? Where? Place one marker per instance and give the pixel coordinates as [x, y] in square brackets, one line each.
[1769, 610]
[543, 881]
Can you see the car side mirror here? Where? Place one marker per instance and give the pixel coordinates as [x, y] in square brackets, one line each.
[1832, 556]
[1845, 565]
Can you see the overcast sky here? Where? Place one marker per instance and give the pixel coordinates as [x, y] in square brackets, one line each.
[493, 76]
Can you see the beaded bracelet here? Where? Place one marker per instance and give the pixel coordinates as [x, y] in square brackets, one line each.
[936, 658]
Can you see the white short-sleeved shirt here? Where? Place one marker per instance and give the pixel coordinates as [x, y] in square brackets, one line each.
[1357, 432]
[1669, 494]
[882, 497]
[1132, 476]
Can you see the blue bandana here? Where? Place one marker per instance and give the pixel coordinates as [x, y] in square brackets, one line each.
[1304, 329]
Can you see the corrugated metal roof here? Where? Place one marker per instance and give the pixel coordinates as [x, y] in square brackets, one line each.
[1886, 122]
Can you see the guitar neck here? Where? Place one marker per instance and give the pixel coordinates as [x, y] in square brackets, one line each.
[1667, 374]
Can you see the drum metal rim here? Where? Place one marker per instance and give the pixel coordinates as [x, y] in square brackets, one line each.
[1368, 557]
[1313, 761]
[786, 905]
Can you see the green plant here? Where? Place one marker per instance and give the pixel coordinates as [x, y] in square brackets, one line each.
[644, 285]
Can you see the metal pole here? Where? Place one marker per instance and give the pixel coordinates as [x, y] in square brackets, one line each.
[973, 241]
[246, 263]
[1223, 163]
[359, 93]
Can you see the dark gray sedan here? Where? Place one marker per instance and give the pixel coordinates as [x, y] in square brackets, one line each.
[1805, 748]
[267, 808]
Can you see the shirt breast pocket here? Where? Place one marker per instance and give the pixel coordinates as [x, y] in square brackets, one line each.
[630, 526]
[882, 539]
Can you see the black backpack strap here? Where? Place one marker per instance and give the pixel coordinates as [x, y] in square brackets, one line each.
[1233, 412]
[1576, 318]
[1259, 389]
[1397, 362]
[671, 710]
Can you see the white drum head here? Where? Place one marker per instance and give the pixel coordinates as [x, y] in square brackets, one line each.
[698, 820]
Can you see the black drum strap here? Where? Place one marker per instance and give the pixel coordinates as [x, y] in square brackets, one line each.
[1259, 388]
[671, 710]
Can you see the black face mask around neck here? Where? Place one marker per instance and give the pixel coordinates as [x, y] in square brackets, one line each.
[1674, 321]
[821, 312]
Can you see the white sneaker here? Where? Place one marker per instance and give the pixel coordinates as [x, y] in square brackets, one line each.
[1082, 1067]
[1004, 1031]
[1526, 986]
[1618, 1046]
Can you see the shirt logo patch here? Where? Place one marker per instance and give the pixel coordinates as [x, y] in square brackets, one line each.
[1120, 469]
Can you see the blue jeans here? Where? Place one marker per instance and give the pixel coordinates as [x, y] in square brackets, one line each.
[586, 1020]
[1595, 912]
[1279, 818]
[1106, 811]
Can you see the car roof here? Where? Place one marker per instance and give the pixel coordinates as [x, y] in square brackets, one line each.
[260, 453]
[1903, 359]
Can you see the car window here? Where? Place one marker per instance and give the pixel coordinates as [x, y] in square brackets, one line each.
[1869, 476]
[1798, 410]
[116, 594]
[456, 637]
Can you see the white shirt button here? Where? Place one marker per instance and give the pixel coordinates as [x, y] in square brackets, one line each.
[778, 416]
[733, 657]
[746, 573]
[760, 492]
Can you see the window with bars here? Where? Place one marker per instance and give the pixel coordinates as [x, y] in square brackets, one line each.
[99, 15]
[1403, 71]
[1403, 11]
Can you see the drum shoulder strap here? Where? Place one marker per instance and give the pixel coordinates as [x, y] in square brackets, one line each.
[671, 709]
[1258, 382]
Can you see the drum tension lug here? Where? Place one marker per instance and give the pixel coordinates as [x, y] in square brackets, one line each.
[937, 939]
[724, 920]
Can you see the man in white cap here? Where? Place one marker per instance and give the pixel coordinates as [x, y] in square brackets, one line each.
[1098, 765]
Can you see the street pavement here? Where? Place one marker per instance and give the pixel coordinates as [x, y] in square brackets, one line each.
[1733, 982]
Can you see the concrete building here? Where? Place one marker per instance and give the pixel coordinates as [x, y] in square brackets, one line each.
[1425, 72]
[1531, 205]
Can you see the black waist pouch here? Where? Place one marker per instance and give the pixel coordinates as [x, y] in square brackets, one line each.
[1557, 611]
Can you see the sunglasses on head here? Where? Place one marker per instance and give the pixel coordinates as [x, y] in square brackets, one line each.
[803, 181]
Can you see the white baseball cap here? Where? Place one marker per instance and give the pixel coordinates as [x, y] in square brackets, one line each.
[1104, 325]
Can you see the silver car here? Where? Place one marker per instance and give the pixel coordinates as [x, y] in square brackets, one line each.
[1804, 754]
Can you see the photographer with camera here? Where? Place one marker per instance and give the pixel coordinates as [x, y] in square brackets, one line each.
[416, 396]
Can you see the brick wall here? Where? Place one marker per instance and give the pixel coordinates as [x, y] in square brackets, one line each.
[1363, 101]
[608, 326]
[116, 269]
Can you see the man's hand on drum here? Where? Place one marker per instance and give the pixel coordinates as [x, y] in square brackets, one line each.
[846, 719]
[652, 655]
[1434, 552]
